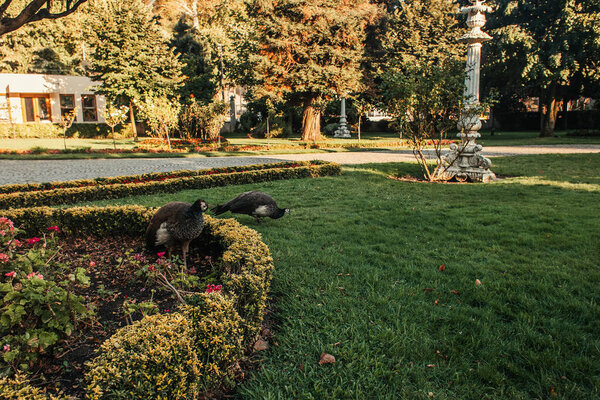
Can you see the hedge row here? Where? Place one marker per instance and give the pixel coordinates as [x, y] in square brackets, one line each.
[154, 176]
[37, 130]
[178, 355]
[119, 190]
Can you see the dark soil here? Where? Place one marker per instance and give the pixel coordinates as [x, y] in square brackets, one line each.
[111, 264]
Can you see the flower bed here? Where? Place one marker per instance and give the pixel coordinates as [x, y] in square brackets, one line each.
[177, 352]
[15, 196]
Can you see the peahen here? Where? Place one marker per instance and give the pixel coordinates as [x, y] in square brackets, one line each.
[256, 204]
[176, 224]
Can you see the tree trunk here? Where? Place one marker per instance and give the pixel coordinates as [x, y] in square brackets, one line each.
[311, 122]
[548, 111]
[133, 127]
[359, 118]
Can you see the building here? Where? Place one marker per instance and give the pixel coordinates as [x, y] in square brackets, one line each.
[38, 98]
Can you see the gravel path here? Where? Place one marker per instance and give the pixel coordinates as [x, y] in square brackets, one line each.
[28, 171]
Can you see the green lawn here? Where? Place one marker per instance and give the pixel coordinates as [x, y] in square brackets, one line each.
[357, 276]
[499, 139]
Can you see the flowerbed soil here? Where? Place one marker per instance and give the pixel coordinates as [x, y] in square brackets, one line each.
[111, 265]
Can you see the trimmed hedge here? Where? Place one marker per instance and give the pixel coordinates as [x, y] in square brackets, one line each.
[37, 130]
[119, 190]
[212, 329]
[154, 176]
[19, 388]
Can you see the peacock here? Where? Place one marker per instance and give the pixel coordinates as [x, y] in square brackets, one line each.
[256, 204]
[176, 224]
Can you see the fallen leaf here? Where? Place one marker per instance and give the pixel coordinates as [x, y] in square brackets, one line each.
[437, 301]
[261, 345]
[454, 291]
[442, 268]
[326, 359]
[430, 394]
[477, 282]
[428, 289]
[301, 367]
[552, 392]
[430, 365]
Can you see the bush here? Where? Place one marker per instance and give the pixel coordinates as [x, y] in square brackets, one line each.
[202, 121]
[38, 130]
[154, 358]
[38, 306]
[136, 187]
[217, 337]
[18, 388]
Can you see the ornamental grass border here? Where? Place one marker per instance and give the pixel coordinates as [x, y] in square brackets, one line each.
[245, 267]
[187, 180]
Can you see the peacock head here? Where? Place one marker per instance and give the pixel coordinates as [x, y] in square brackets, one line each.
[200, 205]
[286, 211]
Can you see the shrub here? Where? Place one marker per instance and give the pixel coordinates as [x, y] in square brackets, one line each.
[216, 329]
[37, 130]
[18, 388]
[202, 121]
[38, 306]
[154, 358]
[118, 190]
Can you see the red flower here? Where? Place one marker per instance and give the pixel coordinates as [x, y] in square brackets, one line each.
[3, 258]
[161, 254]
[54, 228]
[33, 240]
[213, 288]
[11, 274]
[92, 264]
[35, 275]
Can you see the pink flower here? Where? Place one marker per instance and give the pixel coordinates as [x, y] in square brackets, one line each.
[161, 254]
[2, 233]
[33, 240]
[16, 243]
[151, 268]
[35, 275]
[11, 274]
[139, 257]
[54, 228]
[92, 264]
[7, 222]
[6, 348]
[3, 258]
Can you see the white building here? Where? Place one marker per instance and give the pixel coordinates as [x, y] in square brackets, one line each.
[31, 98]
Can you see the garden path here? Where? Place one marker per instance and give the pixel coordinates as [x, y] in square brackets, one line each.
[29, 171]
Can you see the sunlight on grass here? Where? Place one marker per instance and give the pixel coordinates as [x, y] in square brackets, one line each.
[357, 275]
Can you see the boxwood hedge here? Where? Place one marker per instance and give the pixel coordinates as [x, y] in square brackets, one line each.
[16, 196]
[213, 328]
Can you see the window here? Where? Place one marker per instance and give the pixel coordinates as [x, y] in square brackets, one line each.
[88, 102]
[67, 104]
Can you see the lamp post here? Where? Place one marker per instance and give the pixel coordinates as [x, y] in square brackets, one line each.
[464, 160]
[342, 131]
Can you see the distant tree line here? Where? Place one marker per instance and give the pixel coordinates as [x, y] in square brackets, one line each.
[297, 57]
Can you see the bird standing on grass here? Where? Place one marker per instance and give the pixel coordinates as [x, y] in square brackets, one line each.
[176, 224]
[256, 204]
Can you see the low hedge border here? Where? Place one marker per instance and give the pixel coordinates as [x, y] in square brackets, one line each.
[118, 190]
[154, 176]
[246, 269]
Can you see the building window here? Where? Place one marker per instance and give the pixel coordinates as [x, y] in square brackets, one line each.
[67, 104]
[88, 102]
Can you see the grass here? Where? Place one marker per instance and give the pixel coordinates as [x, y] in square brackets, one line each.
[237, 139]
[357, 276]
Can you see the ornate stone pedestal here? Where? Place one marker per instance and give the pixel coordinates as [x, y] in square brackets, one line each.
[464, 161]
[342, 131]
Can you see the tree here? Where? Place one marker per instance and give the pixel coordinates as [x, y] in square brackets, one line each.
[162, 115]
[113, 116]
[14, 13]
[130, 56]
[426, 102]
[308, 52]
[422, 77]
[545, 48]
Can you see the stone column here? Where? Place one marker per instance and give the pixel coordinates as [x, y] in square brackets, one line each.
[464, 161]
[342, 131]
[232, 117]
